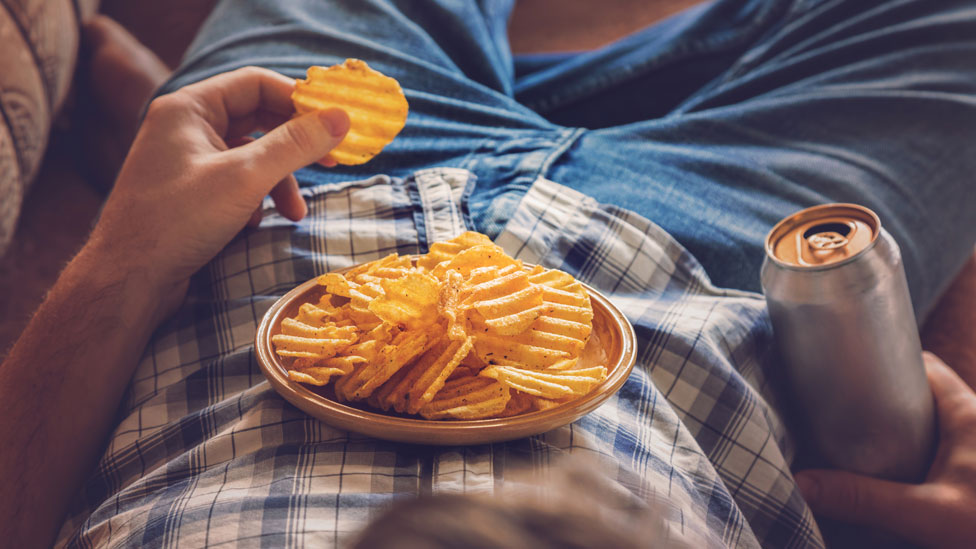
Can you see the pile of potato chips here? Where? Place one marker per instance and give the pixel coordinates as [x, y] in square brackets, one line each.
[462, 332]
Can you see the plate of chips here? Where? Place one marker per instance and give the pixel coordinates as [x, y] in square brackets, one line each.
[463, 345]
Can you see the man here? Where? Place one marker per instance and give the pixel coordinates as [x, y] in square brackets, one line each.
[713, 125]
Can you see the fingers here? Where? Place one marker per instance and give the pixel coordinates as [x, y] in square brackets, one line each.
[256, 218]
[946, 383]
[240, 93]
[292, 145]
[288, 199]
[286, 194]
[899, 508]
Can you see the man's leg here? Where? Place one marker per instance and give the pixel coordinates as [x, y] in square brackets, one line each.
[840, 101]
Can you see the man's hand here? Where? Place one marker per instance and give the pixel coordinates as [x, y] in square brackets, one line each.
[183, 193]
[941, 512]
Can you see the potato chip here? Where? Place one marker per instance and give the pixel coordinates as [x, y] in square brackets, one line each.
[425, 377]
[469, 367]
[303, 376]
[481, 275]
[320, 375]
[567, 312]
[446, 250]
[532, 349]
[410, 300]
[565, 364]
[514, 311]
[325, 343]
[331, 330]
[472, 258]
[335, 283]
[316, 314]
[519, 403]
[564, 297]
[449, 306]
[458, 388]
[393, 262]
[375, 104]
[432, 379]
[554, 278]
[384, 333]
[361, 383]
[361, 295]
[548, 384]
[468, 398]
[464, 370]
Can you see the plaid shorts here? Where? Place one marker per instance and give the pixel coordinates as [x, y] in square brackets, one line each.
[207, 454]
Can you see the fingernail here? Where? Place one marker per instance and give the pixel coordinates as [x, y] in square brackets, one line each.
[336, 120]
[808, 487]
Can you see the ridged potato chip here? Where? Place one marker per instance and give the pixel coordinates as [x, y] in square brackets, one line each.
[468, 398]
[472, 258]
[321, 374]
[394, 262]
[417, 387]
[446, 250]
[532, 349]
[507, 305]
[549, 384]
[519, 403]
[298, 340]
[410, 300]
[375, 104]
[361, 383]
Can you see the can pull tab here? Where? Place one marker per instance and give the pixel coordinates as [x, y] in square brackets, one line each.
[827, 240]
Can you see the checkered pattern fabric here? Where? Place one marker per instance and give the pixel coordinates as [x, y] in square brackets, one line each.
[207, 454]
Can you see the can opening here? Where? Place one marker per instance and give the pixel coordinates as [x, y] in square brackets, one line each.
[827, 236]
[842, 229]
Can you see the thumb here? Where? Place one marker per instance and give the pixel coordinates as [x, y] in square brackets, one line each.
[946, 384]
[295, 144]
[868, 501]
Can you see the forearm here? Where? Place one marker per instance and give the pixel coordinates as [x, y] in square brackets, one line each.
[60, 388]
[180, 197]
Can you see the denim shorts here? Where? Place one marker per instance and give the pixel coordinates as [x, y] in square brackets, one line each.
[714, 123]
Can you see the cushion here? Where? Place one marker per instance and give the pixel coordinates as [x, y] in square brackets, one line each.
[39, 41]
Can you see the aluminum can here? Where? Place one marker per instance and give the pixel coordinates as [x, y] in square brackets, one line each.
[843, 322]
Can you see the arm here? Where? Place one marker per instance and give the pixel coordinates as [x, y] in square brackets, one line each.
[950, 330]
[940, 512]
[181, 195]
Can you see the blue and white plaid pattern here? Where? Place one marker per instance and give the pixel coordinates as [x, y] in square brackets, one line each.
[207, 454]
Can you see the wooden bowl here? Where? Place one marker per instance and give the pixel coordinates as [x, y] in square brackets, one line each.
[612, 344]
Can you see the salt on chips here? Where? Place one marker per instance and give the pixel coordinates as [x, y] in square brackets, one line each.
[375, 104]
[463, 332]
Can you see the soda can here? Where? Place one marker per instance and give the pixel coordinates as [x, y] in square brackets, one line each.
[843, 322]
